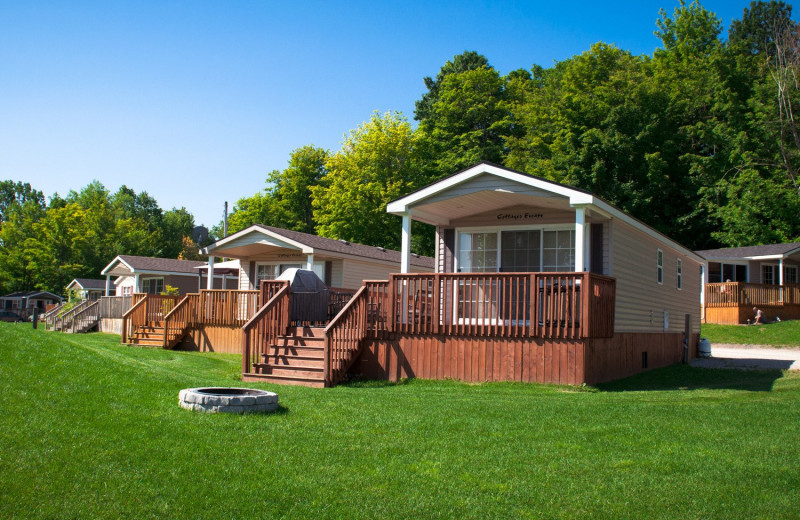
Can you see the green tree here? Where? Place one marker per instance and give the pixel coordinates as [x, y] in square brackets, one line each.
[378, 163]
[291, 188]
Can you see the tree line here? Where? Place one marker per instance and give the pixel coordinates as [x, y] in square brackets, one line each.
[45, 245]
[698, 140]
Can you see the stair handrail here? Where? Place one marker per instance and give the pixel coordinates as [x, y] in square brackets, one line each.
[343, 337]
[271, 321]
[180, 319]
[91, 311]
[132, 318]
[68, 316]
[49, 317]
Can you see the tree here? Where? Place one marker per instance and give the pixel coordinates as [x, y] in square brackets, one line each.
[291, 188]
[377, 164]
[755, 33]
[467, 60]
[17, 193]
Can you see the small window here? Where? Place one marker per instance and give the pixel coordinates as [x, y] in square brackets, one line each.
[768, 275]
[679, 273]
[153, 285]
[660, 267]
[789, 274]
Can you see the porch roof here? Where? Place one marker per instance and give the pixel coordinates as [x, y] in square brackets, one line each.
[128, 265]
[87, 283]
[258, 238]
[763, 252]
[488, 187]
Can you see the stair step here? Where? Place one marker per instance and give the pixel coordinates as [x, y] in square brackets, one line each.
[307, 332]
[294, 361]
[316, 352]
[284, 380]
[290, 371]
[147, 341]
[300, 341]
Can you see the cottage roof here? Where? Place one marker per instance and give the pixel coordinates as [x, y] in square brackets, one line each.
[88, 283]
[147, 264]
[32, 294]
[309, 243]
[766, 251]
[441, 202]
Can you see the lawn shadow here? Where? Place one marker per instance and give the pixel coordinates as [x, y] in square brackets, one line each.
[374, 383]
[683, 377]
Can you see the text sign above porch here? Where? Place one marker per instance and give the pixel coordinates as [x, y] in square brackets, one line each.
[516, 217]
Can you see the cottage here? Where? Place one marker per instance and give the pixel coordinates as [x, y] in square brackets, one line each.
[87, 288]
[736, 279]
[24, 302]
[264, 252]
[142, 274]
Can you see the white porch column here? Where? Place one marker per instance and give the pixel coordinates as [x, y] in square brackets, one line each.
[310, 262]
[780, 278]
[405, 248]
[136, 288]
[108, 285]
[210, 281]
[580, 225]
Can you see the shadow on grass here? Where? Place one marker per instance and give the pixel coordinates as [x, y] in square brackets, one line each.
[682, 377]
[374, 383]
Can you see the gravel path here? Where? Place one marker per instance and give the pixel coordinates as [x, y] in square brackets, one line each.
[754, 357]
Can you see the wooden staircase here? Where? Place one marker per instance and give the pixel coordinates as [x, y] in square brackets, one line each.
[297, 358]
[150, 334]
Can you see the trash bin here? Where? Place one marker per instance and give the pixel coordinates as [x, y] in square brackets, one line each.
[309, 296]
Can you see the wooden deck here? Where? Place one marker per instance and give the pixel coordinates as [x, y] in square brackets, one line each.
[732, 302]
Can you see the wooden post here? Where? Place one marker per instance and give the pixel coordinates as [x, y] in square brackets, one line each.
[687, 330]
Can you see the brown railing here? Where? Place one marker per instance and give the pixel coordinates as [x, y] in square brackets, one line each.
[337, 299]
[343, 337]
[546, 305]
[226, 307]
[150, 308]
[741, 294]
[271, 321]
[377, 307]
[86, 318]
[180, 319]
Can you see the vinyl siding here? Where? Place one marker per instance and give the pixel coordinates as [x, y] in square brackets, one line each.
[639, 295]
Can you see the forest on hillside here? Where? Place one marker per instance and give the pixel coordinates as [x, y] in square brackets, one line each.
[699, 140]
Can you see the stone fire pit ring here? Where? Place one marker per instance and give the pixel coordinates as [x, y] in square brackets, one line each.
[228, 400]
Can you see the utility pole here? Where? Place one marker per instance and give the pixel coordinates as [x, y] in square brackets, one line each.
[225, 221]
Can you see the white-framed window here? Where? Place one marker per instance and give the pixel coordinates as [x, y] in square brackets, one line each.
[153, 285]
[660, 266]
[719, 272]
[768, 274]
[789, 274]
[516, 249]
[679, 273]
[272, 270]
[127, 290]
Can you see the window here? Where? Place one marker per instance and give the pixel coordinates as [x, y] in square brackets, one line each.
[153, 285]
[127, 290]
[660, 266]
[768, 275]
[272, 271]
[719, 272]
[477, 252]
[558, 250]
[520, 251]
[679, 273]
[789, 274]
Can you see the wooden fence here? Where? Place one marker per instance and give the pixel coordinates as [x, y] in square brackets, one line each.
[114, 307]
[271, 321]
[741, 294]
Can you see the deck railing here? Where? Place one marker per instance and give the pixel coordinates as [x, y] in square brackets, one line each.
[742, 294]
[546, 305]
[149, 309]
[180, 319]
[113, 307]
[271, 321]
[49, 317]
[64, 319]
[87, 317]
[226, 307]
[343, 337]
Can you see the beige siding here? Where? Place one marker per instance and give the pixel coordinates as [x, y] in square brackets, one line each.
[337, 273]
[244, 276]
[641, 300]
[355, 272]
[517, 216]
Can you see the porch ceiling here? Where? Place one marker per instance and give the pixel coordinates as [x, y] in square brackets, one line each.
[253, 249]
[443, 212]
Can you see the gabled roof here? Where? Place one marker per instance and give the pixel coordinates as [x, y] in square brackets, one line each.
[575, 198]
[88, 283]
[148, 264]
[311, 244]
[766, 251]
[33, 294]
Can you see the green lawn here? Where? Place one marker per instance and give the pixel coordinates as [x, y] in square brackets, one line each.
[784, 333]
[92, 429]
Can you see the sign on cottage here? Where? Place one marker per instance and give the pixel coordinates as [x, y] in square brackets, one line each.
[519, 216]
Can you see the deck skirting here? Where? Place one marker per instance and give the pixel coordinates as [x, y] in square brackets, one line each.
[213, 338]
[532, 360]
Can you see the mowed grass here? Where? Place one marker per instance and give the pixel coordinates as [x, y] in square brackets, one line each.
[92, 429]
[776, 334]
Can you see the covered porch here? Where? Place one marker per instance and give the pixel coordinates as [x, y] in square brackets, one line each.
[732, 303]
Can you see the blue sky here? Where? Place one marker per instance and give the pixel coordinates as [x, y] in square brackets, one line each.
[195, 102]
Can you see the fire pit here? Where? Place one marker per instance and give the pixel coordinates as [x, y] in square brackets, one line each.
[228, 400]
